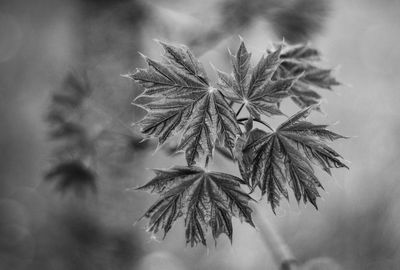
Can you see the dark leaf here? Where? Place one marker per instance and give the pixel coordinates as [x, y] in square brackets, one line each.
[73, 91]
[255, 88]
[204, 199]
[288, 153]
[182, 101]
[66, 127]
[65, 130]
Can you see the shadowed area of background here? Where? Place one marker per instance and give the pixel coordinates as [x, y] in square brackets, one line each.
[42, 42]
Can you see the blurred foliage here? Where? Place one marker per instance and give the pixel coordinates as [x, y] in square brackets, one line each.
[73, 175]
[301, 20]
[85, 242]
[294, 21]
[73, 169]
[89, 118]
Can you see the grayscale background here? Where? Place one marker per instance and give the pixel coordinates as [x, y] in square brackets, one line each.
[358, 223]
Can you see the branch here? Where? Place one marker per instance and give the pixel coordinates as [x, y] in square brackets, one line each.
[274, 242]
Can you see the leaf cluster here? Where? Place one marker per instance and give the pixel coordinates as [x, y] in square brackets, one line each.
[181, 102]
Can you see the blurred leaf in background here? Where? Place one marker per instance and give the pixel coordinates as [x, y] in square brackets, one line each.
[73, 168]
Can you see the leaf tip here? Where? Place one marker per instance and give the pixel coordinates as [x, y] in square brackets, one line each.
[158, 41]
[128, 76]
[143, 56]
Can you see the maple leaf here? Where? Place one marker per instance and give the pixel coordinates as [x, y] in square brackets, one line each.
[205, 199]
[288, 153]
[255, 88]
[302, 59]
[183, 101]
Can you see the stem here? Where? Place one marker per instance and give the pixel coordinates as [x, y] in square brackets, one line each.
[272, 239]
[257, 120]
[240, 109]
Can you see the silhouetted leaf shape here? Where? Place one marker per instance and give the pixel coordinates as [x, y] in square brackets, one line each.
[72, 175]
[302, 59]
[66, 107]
[65, 117]
[255, 88]
[183, 101]
[288, 153]
[204, 199]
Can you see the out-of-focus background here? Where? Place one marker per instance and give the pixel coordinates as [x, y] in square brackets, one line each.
[42, 41]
